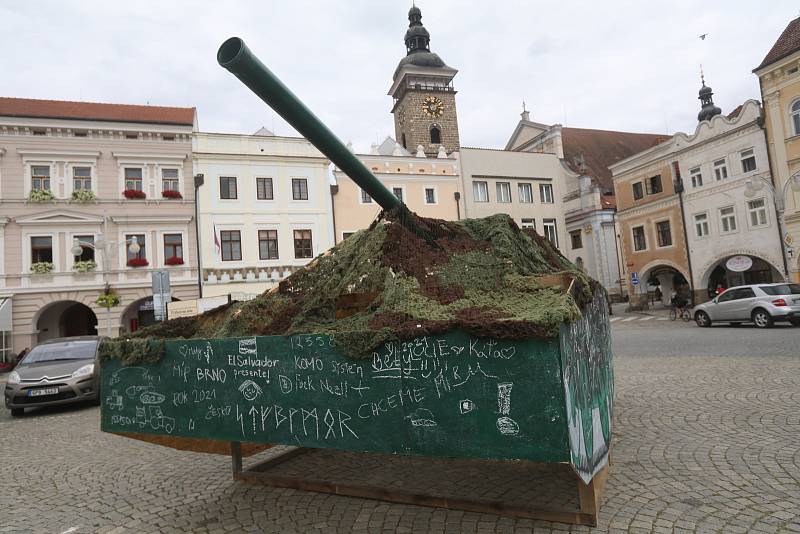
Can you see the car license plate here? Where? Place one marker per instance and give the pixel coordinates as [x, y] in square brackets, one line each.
[41, 392]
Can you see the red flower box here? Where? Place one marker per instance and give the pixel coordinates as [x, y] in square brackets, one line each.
[171, 193]
[134, 194]
[173, 260]
[138, 262]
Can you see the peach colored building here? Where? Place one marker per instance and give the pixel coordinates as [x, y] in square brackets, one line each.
[429, 186]
[63, 169]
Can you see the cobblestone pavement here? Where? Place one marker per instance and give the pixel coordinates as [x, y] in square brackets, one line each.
[706, 440]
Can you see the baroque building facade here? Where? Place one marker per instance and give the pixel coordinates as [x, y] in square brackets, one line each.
[111, 182]
[779, 80]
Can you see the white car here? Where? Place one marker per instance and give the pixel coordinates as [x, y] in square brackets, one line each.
[761, 304]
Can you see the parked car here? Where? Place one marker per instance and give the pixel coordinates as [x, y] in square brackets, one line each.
[58, 371]
[761, 304]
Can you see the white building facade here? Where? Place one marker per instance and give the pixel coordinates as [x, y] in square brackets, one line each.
[264, 209]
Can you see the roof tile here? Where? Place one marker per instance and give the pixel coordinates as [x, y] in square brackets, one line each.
[788, 43]
[61, 109]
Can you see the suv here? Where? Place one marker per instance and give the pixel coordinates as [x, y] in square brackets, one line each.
[58, 371]
[761, 304]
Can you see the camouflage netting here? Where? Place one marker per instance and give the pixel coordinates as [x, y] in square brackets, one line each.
[484, 276]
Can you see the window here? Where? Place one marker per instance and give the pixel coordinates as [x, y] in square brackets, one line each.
[299, 189]
[5, 346]
[365, 198]
[727, 296]
[345, 235]
[550, 231]
[169, 180]
[480, 191]
[133, 178]
[701, 224]
[227, 187]
[132, 136]
[529, 223]
[653, 185]
[87, 252]
[173, 246]
[546, 193]
[639, 240]
[727, 218]
[796, 117]
[302, 244]
[436, 136]
[525, 193]
[576, 239]
[142, 254]
[40, 175]
[398, 192]
[748, 160]
[720, 169]
[663, 234]
[758, 212]
[41, 249]
[231, 244]
[697, 177]
[638, 194]
[743, 293]
[39, 132]
[268, 244]
[264, 189]
[503, 192]
[430, 195]
[81, 178]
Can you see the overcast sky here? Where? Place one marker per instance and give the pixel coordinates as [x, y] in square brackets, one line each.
[611, 65]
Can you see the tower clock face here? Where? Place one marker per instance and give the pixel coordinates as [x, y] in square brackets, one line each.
[432, 106]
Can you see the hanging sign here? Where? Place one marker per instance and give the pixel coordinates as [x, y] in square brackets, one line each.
[739, 264]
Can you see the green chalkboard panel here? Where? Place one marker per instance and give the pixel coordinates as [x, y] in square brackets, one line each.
[448, 395]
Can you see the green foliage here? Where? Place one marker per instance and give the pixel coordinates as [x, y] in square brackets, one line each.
[479, 274]
[83, 195]
[40, 195]
[108, 300]
[131, 351]
[42, 267]
[84, 266]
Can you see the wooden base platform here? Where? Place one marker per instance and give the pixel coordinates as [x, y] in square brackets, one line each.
[589, 495]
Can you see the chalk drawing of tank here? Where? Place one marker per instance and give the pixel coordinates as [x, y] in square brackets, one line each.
[114, 401]
[158, 420]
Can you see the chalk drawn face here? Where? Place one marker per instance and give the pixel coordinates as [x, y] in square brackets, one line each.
[421, 417]
[250, 390]
[247, 346]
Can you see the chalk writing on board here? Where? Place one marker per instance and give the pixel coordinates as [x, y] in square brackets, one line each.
[422, 417]
[465, 406]
[505, 424]
[149, 397]
[247, 345]
[114, 401]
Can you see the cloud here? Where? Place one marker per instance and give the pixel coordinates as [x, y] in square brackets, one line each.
[627, 65]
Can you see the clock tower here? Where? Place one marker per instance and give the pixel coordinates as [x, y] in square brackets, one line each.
[424, 98]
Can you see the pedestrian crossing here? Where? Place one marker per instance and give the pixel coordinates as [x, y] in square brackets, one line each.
[637, 318]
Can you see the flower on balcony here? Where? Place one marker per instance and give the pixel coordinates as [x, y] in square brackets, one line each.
[173, 260]
[134, 194]
[171, 193]
[83, 195]
[138, 262]
[40, 195]
[108, 298]
[84, 266]
[42, 267]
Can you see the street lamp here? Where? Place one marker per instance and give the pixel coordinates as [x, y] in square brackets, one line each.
[752, 187]
[104, 247]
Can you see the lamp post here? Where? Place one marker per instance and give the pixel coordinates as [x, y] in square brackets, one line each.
[104, 247]
[752, 186]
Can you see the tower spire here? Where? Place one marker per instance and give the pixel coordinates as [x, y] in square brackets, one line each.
[417, 37]
[707, 107]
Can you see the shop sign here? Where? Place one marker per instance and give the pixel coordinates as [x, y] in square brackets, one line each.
[739, 264]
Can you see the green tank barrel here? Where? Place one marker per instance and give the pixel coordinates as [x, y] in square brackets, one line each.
[239, 60]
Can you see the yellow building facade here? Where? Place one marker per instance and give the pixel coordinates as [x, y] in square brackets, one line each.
[779, 79]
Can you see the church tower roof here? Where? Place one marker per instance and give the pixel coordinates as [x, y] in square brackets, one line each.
[417, 39]
[707, 109]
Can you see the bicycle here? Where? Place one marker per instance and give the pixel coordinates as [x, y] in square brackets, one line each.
[681, 311]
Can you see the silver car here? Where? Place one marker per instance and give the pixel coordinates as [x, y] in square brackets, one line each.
[58, 371]
[761, 304]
